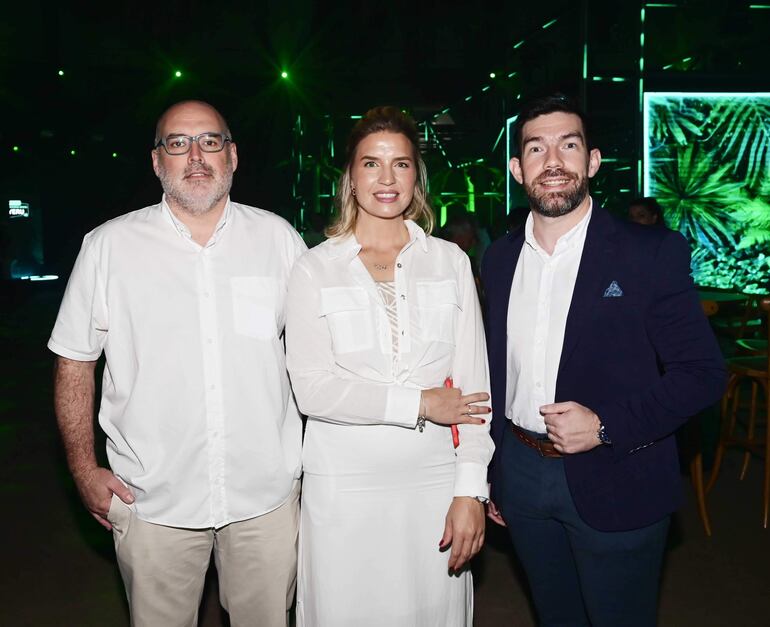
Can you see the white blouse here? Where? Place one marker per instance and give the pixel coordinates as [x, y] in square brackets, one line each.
[347, 372]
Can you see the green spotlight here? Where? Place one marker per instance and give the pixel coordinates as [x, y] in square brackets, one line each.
[114, 155]
[492, 75]
[16, 149]
[178, 74]
[73, 152]
[61, 72]
[284, 74]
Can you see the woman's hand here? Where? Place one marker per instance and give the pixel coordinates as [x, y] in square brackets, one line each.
[448, 406]
[463, 530]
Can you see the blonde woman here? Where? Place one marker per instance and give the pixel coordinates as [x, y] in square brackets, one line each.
[378, 317]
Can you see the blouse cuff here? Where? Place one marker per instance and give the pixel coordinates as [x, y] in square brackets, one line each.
[471, 480]
[403, 406]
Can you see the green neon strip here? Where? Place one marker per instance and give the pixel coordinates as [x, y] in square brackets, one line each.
[551, 23]
[625, 168]
[445, 111]
[661, 5]
[759, 6]
[499, 136]
[508, 175]
[468, 98]
[485, 88]
[518, 45]
[686, 59]
[512, 74]
[668, 67]
[597, 78]
[442, 220]
[356, 117]
[618, 79]
[624, 190]
[585, 61]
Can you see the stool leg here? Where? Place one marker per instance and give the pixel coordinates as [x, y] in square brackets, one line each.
[696, 475]
[766, 495]
[750, 429]
[728, 423]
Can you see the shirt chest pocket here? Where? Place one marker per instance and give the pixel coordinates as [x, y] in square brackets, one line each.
[257, 302]
[439, 306]
[347, 313]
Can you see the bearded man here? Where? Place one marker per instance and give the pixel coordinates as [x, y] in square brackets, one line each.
[598, 352]
[186, 300]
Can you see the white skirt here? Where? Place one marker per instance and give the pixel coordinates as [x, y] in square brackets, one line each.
[369, 554]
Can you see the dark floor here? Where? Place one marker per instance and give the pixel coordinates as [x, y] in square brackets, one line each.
[59, 564]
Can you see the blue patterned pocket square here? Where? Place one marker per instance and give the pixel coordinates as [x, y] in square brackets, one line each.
[613, 290]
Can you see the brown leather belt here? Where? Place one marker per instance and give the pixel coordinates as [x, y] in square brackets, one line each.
[544, 447]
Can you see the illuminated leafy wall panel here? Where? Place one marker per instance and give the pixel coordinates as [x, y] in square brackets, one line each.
[707, 160]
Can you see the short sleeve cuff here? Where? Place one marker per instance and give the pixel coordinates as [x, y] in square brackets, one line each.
[471, 480]
[403, 406]
[68, 353]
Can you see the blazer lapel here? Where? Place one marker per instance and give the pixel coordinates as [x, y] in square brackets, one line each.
[594, 262]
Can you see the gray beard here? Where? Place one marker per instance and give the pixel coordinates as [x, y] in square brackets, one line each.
[555, 204]
[195, 199]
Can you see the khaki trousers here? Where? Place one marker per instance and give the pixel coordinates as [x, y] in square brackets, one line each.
[164, 568]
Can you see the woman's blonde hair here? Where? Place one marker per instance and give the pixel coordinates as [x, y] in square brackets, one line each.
[379, 120]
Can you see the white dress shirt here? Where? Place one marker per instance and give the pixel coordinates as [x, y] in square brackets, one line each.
[362, 400]
[541, 293]
[196, 403]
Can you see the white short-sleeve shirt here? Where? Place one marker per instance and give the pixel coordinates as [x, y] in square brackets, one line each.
[196, 404]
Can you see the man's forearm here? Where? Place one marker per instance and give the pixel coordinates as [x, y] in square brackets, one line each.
[74, 390]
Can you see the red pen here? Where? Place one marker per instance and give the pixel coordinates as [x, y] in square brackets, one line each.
[455, 431]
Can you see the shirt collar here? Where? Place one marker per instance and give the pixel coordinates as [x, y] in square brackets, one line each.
[182, 228]
[348, 246]
[571, 238]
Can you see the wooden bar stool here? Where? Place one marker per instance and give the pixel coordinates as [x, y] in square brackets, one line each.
[752, 367]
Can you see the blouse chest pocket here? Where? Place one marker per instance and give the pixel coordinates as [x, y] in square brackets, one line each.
[439, 305]
[256, 303]
[346, 310]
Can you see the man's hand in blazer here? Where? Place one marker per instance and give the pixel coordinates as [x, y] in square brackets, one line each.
[571, 427]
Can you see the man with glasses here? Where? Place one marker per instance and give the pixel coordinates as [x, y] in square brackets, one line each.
[186, 300]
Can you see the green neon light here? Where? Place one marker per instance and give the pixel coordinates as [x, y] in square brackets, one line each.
[284, 74]
[551, 23]
[356, 117]
[597, 78]
[60, 72]
[486, 88]
[445, 111]
[518, 45]
[625, 168]
[512, 74]
[585, 61]
[661, 5]
[442, 219]
[624, 190]
[492, 75]
[178, 74]
[508, 123]
[686, 59]
[468, 98]
[499, 136]
[73, 152]
[618, 79]
[759, 6]
[114, 155]
[668, 67]
[16, 149]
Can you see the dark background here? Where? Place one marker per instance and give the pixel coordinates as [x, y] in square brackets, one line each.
[119, 61]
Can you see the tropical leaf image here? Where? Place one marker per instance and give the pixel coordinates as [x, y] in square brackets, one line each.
[744, 127]
[673, 119]
[697, 196]
[754, 216]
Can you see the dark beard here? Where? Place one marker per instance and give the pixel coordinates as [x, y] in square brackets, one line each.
[555, 204]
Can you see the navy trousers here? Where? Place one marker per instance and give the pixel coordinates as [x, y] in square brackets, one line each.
[577, 575]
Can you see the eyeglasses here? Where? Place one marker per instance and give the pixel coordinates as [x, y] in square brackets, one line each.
[181, 144]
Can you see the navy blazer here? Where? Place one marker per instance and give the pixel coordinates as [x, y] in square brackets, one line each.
[645, 362]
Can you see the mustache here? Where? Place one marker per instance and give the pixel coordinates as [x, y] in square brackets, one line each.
[556, 173]
[202, 167]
